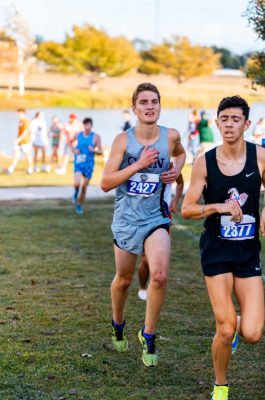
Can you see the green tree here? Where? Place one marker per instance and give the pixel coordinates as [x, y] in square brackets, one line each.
[255, 14]
[180, 59]
[228, 59]
[256, 68]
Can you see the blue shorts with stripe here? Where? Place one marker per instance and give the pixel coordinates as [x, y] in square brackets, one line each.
[86, 169]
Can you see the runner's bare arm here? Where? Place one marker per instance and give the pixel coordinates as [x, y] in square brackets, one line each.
[112, 176]
[179, 191]
[190, 207]
[177, 151]
[97, 148]
[261, 164]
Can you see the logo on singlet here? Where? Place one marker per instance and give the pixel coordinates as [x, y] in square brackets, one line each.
[234, 195]
[144, 177]
[248, 175]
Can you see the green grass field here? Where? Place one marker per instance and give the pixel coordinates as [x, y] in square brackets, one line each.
[56, 268]
[20, 178]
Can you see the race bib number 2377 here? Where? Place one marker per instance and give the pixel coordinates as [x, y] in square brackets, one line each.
[238, 231]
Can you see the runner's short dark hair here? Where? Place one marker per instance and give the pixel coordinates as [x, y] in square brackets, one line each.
[144, 87]
[234, 102]
[88, 121]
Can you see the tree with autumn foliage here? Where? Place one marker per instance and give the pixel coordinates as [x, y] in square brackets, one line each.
[8, 53]
[90, 50]
[180, 59]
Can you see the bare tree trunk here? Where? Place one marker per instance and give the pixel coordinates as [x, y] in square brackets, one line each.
[21, 78]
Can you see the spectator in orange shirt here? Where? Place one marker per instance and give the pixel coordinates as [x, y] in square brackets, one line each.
[22, 143]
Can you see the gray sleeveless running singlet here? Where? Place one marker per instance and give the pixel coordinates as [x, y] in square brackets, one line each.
[141, 199]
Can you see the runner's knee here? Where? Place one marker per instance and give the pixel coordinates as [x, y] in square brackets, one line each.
[252, 335]
[122, 282]
[159, 278]
[226, 332]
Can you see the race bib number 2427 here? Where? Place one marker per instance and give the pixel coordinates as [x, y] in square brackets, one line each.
[143, 184]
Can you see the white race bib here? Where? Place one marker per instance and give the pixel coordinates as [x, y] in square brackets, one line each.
[80, 158]
[143, 184]
[238, 231]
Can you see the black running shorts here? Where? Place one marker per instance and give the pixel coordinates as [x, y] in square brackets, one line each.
[239, 257]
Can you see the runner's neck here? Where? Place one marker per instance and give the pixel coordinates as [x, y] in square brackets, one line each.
[147, 134]
[234, 152]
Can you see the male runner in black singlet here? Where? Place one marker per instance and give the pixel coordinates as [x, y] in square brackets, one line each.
[229, 177]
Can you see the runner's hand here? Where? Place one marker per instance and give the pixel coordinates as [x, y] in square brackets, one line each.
[76, 151]
[233, 208]
[148, 157]
[262, 222]
[169, 176]
[91, 148]
[173, 206]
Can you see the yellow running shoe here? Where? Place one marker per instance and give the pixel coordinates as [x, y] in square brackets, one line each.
[220, 393]
[149, 356]
[119, 339]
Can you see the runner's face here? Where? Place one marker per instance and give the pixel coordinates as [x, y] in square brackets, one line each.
[232, 124]
[147, 107]
[21, 115]
[87, 128]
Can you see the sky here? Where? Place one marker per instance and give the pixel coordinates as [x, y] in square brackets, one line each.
[204, 22]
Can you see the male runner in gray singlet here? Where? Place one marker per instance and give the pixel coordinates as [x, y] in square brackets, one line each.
[139, 168]
[143, 268]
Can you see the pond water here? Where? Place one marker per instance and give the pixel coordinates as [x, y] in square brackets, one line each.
[108, 122]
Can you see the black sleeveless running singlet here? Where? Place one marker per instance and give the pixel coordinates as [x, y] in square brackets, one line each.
[244, 187]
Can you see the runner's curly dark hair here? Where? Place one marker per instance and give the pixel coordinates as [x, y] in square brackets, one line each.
[234, 102]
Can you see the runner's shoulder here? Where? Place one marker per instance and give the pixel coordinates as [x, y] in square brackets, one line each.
[199, 165]
[173, 134]
[96, 136]
[120, 141]
[260, 153]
